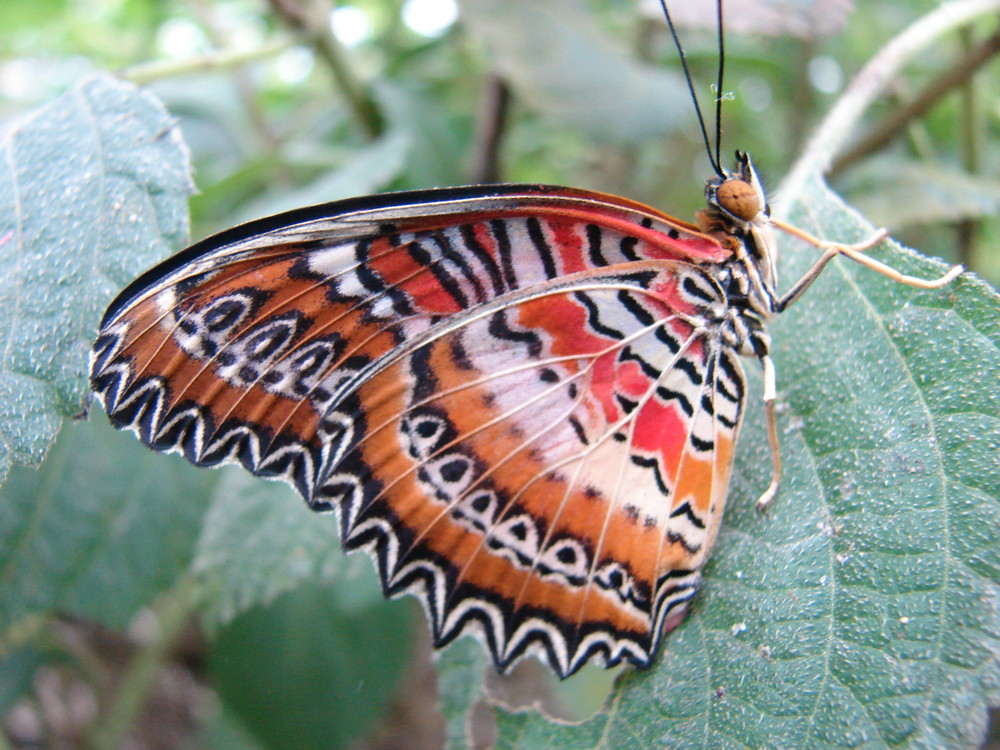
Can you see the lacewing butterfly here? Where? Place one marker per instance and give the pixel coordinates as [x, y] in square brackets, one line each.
[521, 400]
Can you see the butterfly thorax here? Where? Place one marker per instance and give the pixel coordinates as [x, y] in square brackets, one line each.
[738, 216]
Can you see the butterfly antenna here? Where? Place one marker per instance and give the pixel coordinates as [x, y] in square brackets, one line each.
[714, 159]
[718, 86]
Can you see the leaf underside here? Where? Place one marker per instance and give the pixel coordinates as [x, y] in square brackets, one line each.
[93, 189]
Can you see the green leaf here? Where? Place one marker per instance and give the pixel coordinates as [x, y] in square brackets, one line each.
[260, 540]
[93, 189]
[895, 191]
[99, 530]
[369, 170]
[461, 686]
[17, 670]
[561, 63]
[435, 138]
[225, 732]
[322, 659]
[862, 610]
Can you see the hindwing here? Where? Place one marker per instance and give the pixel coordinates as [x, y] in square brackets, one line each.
[516, 398]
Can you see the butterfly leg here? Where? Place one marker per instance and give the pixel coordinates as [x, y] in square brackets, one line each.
[770, 392]
[855, 252]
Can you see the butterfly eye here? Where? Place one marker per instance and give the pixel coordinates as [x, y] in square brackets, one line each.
[739, 198]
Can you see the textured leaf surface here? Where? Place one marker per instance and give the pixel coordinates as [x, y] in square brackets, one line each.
[864, 610]
[93, 189]
[99, 530]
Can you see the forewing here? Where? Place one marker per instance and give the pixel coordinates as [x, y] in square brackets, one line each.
[515, 400]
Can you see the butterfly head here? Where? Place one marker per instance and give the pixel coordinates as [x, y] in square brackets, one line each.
[738, 195]
[737, 207]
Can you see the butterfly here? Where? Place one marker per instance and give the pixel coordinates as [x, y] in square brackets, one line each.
[522, 401]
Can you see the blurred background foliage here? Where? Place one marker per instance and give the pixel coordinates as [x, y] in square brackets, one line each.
[291, 102]
[300, 101]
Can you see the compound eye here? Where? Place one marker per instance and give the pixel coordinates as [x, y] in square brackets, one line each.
[739, 198]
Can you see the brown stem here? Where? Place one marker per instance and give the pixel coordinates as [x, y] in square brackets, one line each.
[173, 610]
[490, 122]
[310, 20]
[142, 74]
[970, 142]
[800, 115]
[944, 84]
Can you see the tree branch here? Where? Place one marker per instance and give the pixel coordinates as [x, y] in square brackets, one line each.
[869, 83]
[940, 87]
[490, 121]
[312, 21]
